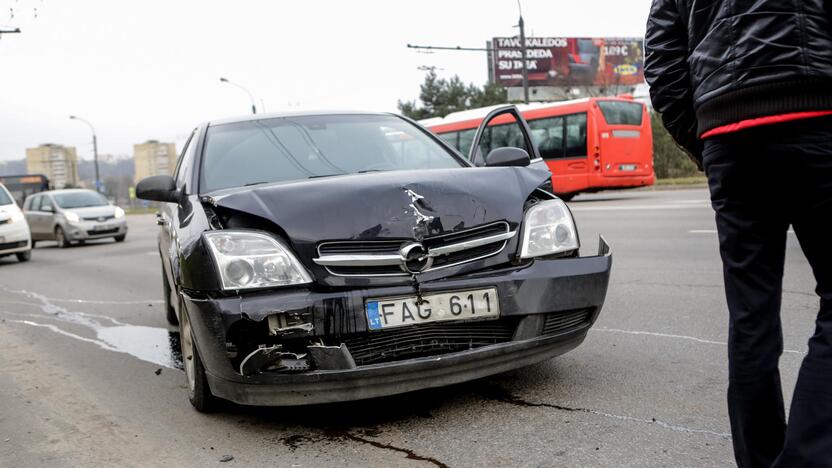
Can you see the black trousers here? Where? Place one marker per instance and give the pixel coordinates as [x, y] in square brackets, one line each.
[763, 180]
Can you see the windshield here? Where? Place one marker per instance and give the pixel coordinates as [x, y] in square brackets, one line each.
[621, 113]
[79, 199]
[5, 199]
[303, 147]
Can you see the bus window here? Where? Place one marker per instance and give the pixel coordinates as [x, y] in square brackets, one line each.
[548, 134]
[466, 137]
[575, 135]
[451, 138]
[621, 113]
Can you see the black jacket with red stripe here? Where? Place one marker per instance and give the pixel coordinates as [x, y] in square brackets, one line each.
[711, 63]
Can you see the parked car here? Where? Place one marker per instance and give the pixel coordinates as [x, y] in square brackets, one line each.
[14, 232]
[313, 258]
[73, 215]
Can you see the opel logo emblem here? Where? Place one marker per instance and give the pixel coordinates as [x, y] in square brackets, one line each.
[415, 258]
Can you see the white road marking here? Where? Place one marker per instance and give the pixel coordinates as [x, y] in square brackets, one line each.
[678, 337]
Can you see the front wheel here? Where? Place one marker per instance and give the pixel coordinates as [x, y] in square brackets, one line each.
[199, 393]
[24, 256]
[60, 238]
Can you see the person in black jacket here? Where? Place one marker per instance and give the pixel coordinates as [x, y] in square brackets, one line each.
[745, 87]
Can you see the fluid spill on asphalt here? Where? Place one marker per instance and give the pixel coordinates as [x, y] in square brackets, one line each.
[151, 344]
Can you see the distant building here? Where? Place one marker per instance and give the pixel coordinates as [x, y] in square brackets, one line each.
[57, 162]
[153, 158]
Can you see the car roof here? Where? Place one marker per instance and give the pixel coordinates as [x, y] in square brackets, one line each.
[277, 115]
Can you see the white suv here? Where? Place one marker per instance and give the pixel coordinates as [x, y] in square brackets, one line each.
[14, 230]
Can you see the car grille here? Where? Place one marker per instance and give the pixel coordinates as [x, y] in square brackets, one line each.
[102, 232]
[99, 218]
[12, 245]
[460, 247]
[440, 338]
[428, 339]
[557, 322]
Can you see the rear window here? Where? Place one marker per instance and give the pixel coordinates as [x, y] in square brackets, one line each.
[621, 113]
[5, 199]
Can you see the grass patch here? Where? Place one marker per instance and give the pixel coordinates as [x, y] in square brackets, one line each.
[694, 180]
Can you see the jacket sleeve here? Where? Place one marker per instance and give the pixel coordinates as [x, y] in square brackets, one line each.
[667, 73]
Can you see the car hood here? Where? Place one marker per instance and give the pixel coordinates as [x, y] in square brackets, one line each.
[389, 205]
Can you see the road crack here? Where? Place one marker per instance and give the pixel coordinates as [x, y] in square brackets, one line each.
[296, 441]
[503, 396]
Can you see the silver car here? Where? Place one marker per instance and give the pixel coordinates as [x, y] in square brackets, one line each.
[73, 215]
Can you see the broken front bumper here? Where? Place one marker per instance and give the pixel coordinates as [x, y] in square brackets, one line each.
[541, 300]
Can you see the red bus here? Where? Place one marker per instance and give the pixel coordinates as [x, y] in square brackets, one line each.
[589, 144]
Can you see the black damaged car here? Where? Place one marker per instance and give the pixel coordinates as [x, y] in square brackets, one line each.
[313, 258]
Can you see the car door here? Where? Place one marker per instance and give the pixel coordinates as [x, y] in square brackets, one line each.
[47, 217]
[511, 130]
[168, 216]
[31, 212]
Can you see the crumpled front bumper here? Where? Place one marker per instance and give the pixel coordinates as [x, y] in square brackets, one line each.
[529, 292]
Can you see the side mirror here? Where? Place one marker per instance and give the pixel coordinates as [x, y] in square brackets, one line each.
[158, 188]
[508, 156]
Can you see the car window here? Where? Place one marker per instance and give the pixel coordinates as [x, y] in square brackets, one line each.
[80, 199]
[301, 147]
[46, 204]
[32, 203]
[502, 136]
[5, 199]
[185, 160]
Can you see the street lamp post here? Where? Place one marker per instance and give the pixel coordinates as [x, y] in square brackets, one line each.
[94, 150]
[250, 96]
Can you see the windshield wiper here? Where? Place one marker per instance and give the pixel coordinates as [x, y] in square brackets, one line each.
[323, 175]
[370, 170]
[256, 183]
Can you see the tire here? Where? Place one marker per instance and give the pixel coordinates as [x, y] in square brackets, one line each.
[199, 394]
[567, 196]
[120, 238]
[60, 238]
[24, 256]
[170, 311]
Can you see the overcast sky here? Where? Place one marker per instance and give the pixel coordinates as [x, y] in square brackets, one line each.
[150, 69]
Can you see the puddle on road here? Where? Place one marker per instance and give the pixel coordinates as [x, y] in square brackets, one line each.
[151, 344]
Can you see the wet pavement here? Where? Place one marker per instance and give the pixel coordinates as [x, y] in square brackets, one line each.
[89, 369]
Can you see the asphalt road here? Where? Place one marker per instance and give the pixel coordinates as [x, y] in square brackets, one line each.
[87, 375]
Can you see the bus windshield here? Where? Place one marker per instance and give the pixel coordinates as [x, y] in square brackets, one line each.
[621, 113]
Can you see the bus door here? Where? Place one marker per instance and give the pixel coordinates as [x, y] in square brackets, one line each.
[562, 142]
[625, 148]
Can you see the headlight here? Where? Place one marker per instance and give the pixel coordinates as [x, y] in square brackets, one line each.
[548, 228]
[71, 217]
[118, 213]
[253, 260]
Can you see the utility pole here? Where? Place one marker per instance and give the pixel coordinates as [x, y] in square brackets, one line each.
[94, 150]
[521, 25]
[250, 96]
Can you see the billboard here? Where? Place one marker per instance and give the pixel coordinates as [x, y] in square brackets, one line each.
[569, 61]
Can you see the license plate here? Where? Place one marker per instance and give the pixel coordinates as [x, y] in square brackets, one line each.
[100, 227]
[458, 305]
[627, 167]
